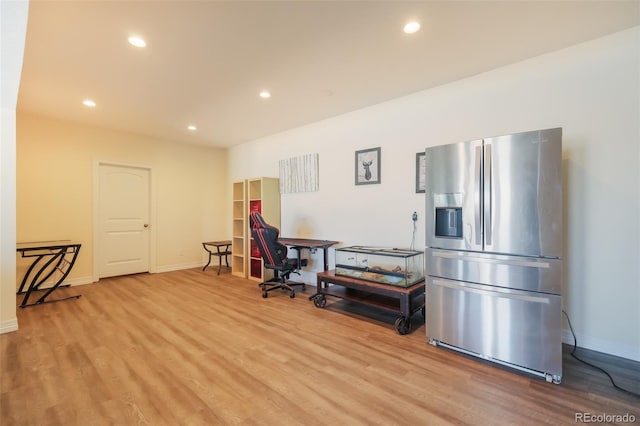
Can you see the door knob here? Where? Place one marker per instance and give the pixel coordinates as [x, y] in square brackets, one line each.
[146, 225]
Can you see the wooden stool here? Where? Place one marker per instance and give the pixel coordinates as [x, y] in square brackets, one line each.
[222, 248]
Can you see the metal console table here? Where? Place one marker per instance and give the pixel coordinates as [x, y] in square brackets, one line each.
[49, 257]
[404, 300]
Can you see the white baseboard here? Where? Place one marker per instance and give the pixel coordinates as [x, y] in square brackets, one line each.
[79, 281]
[179, 267]
[8, 326]
[72, 282]
[591, 343]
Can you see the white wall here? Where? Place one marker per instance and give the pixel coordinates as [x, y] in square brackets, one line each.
[590, 90]
[13, 28]
[55, 171]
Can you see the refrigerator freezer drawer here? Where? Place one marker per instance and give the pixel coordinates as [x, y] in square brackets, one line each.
[514, 272]
[515, 327]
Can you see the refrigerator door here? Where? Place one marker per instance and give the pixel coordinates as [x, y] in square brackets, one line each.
[453, 197]
[542, 275]
[523, 193]
[514, 327]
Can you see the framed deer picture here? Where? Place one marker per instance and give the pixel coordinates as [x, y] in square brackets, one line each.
[368, 166]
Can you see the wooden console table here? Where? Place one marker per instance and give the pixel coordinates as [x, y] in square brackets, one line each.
[404, 300]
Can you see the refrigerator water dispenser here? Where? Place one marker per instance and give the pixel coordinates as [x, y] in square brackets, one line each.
[449, 222]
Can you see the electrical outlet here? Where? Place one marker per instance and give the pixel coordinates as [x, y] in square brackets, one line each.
[414, 217]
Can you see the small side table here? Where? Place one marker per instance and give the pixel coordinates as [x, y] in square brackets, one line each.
[222, 249]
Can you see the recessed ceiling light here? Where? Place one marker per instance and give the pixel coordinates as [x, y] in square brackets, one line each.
[412, 27]
[137, 41]
[89, 103]
[192, 128]
[265, 95]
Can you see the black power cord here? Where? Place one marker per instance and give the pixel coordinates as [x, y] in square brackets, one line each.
[414, 219]
[573, 354]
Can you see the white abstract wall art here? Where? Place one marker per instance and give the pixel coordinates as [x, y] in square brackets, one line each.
[299, 174]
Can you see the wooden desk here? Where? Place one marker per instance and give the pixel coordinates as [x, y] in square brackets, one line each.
[404, 300]
[222, 249]
[49, 257]
[312, 245]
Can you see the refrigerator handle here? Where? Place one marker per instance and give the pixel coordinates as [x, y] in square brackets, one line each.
[488, 202]
[478, 195]
[491, 291]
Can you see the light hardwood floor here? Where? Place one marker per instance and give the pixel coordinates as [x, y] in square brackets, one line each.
[193, 348]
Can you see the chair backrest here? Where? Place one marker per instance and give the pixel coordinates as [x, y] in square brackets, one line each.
[273, 253]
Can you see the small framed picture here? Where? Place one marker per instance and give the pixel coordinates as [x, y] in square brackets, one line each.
[421, 173]
[368, 166]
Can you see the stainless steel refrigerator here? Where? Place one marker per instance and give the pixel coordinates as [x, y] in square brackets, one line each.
[494, 249]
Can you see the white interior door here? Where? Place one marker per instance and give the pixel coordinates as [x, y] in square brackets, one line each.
[123, 220]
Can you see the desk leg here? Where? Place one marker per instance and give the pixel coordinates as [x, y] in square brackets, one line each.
[325, 256]
[208, 251]
[299, 259]
[298, 256]
[36, 281]
[325, 252]
[26, 276]
[312, 297]
[220, 260]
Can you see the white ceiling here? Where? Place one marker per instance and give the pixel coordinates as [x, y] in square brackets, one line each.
[206, 61]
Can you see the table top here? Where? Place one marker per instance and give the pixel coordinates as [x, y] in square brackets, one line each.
[306, 242]
[53, 244]
[218, 243]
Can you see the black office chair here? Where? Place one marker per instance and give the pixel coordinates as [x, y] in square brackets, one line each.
[274, 256]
